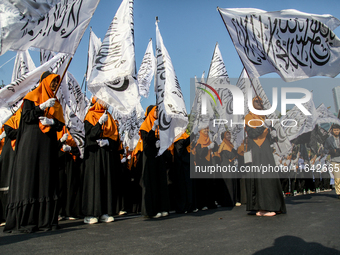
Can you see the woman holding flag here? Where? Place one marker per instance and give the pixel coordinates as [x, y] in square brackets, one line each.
[264, 192]
[32, 198]
[101, 158]
[155, 194]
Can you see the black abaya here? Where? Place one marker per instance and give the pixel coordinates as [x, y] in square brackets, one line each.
[32, 198]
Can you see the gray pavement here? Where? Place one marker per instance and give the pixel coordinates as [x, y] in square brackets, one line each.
[311, 226]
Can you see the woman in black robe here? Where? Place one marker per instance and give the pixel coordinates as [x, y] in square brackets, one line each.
[101, 160]
[204, 187]
[264, 192]
[136, 174]
[155, 194]
[183, 183]
[7, 160]
[69, 176]
[32, 198]
[228, 186]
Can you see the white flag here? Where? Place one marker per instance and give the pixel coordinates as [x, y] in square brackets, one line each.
[295, 123]
[326, 116]
[59, 30]
[46, 55]
[113, 78]
[294, 44]
[23, 64]
[20, 87]
[173, 118]
[35, 9]
[11, 95]
[146, 71]
[195, 113]
[94, 46]
[129, 126]
[71, 90]
[216, 97]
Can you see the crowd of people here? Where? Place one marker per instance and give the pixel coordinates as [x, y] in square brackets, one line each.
[43, 179]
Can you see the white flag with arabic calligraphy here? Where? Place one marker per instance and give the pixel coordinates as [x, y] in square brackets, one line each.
[23, 64]
[94, 46]
[113, 78]
[59, 30]
[294, 44]
[172, 115]
[146, 71]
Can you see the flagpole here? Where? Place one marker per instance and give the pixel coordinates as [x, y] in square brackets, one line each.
[62, 77]
[87, 64]
[251, 82]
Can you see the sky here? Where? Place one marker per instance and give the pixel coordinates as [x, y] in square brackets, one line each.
[190, 30]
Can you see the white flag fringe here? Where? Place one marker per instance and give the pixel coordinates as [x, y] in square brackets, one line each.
[23, 64]
[113, 78]
[146, 71]
[59, 30]
[94, 46]
[294, 44]
[172, 115]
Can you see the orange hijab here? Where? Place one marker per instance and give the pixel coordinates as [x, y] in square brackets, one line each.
[13, 122]
[225, 145]
[148, 122]
[109, 128]
[257, 121]
[204, 141]
[41, 94]
[183, 137]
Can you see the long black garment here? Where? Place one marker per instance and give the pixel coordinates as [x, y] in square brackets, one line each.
[100, 163]
[228, 186]
[32, 197]
[69, 183]
[182, 182]
[204, 187]
[263, 193]
[6, 165]
[135, 185]
[155, 193]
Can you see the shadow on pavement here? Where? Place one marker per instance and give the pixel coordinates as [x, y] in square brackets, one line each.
[295, 245]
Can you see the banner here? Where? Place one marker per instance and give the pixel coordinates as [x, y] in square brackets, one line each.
[294, 44]
[94, 46]
[146, 71]
[59, 30]
[23, 64]
[113, 78]
[172, 115]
